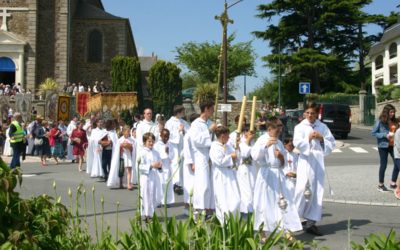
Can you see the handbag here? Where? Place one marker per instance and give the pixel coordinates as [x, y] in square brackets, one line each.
[38, 141]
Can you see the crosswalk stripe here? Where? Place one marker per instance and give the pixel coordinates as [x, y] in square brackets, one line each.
[336, 150]
[376, 148]
[358, 150]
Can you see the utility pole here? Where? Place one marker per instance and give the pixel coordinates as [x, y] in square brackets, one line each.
[224, 19]
[279, 77]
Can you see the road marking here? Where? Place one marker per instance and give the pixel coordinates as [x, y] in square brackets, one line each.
[336, 150]
[28, 175]
[359, 150]
[376, 148]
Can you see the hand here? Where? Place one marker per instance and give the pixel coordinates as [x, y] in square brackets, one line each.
[291, 174]
[181, 128]
[193, 167]
[213, 127]
[279, 155]
[234, 156]
[157, 164]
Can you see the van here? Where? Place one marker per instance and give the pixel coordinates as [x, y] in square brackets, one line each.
[337, 117]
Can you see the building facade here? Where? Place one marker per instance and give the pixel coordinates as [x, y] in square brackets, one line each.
[385, 59]
[68, 40]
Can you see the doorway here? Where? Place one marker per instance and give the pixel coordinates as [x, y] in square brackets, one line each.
[7, 71]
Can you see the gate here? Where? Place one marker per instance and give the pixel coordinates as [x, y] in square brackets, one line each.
[369, 110]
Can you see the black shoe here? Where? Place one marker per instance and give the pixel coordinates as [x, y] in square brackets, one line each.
[178, 190]
[382, 188]
[73, 161]
[314, 230]
[393, 186]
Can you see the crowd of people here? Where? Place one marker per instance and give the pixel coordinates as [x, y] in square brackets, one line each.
[11, 89]
[73, 88]
[215, 170]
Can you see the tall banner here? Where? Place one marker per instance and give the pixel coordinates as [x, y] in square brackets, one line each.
[23, 104]
[51, 105]
[82, 99]
[63, 108]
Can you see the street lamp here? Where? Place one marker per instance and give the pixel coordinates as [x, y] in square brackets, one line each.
[224, 18]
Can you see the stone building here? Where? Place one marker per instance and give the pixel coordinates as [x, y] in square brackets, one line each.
[68, 40]
[385, 58]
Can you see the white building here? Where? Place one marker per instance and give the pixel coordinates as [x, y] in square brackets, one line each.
[386, 59]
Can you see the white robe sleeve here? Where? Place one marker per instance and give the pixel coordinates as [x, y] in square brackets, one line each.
[329, 140]
[144, 163]
[258, 151]
[221, 155]
[301, 140]
[113, 178]
[245, 150]
[187, 150]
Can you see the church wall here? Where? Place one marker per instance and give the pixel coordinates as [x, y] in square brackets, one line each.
[61, 42]
[46, 40]
[114, 43]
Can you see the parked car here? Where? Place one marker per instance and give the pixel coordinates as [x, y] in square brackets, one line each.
[337, 117]
[187, 94]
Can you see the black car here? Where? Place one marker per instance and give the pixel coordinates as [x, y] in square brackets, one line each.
[337, 117]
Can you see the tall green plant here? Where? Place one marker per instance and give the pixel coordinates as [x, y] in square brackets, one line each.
[165, 86]
[125, 74]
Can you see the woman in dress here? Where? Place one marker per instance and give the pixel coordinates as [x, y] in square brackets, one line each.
[55, 141]
[42, 146]
[79, 141]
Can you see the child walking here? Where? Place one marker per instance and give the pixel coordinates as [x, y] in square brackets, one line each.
[128, 155]
[149, 163]
[226, 191]
[290, 168]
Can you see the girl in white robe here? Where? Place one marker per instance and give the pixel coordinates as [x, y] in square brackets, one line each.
[246, 173]
[114, 180]
[271, 184]
[149, 163]
[167, 154]
[128, 154]
[314, 140]
[290, 168]
[95, 170]
[7, 151]
[226, 191]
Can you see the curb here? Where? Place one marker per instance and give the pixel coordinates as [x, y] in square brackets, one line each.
[366, 203]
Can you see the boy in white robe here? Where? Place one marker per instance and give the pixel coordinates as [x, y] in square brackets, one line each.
[128, 155]
[246, 173]
[290, 168]
[149, 163]
[95, 169]
[164, 149]
[203, 197]
[226, 191]
[314, 140]
[144, 126]
[70, 128]
[271, 185]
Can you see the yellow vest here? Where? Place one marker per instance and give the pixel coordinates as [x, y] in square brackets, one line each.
[18, 135]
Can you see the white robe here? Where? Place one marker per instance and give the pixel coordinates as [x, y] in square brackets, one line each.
[142, 128]
[291, 166]
[232, 138]
[30, 139]
[149, 182]
[226, 190]
[246, 177]
[270, 183]
[188, 174]
[7, 151]
[114, 180]
[176, 141]
[203, 193]
[166, 172]
[311, 167]
[70, 128]
[95, 169]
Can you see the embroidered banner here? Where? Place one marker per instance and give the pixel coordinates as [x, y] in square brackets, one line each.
[82, 99]
[63, 108]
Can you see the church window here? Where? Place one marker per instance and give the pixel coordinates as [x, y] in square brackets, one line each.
[393, 50]
[379, 62]
[95, 46]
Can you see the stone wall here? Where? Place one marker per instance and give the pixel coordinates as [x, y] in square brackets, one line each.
[114, 43]
[236, 106]
[380, 105]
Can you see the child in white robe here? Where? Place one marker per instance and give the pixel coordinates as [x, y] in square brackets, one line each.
[7, 151]
[246, 173]
[149, 163]
[271, 185]
[226, 191]
[127, 149]
[164, 149]
[290, 168]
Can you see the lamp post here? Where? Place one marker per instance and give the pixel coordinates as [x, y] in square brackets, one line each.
[279, 77]
[224, 19]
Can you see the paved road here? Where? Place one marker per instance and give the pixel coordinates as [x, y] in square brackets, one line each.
[351, 175]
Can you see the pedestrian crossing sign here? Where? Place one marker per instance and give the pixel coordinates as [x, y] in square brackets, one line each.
[304, 88]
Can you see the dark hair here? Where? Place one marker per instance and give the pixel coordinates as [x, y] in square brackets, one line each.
[164, 130]
[147, 136]
[312, 105]
[193, 117]
[287, 140]
[178, 109]
[206, 104]
[272, 124]
[238, 117]
[222, 130]
[384, 116]
[109, 124]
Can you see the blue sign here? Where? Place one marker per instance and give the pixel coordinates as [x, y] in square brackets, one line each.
[304, 88]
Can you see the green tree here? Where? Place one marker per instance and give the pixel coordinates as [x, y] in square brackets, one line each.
[203, 59]
[165, 86]
[125, 74]
[323, 36]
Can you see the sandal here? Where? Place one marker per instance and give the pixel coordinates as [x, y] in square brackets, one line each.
[397, 193]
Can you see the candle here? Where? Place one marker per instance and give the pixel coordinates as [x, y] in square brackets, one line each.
[241, 117]
[253, 113]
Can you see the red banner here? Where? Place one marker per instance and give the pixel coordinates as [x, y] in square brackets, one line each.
[82, 99]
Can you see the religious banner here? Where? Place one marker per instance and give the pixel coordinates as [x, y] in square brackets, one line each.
[113, 102]
[51, 105]
[23, 104]
[82, 99]
[4, 107]
[63, 108]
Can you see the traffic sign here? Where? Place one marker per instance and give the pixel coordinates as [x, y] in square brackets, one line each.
[304, 88]
[224, 107]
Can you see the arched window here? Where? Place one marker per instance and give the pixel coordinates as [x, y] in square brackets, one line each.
[393, 50]
[95, 46]
[379, 62]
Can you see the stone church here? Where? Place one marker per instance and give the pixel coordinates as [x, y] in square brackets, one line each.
[68, 40]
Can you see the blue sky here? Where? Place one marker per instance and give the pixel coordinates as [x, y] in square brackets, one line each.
[160, 26]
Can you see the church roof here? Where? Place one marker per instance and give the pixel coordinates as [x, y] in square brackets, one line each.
[389, 34]
[85, 10]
